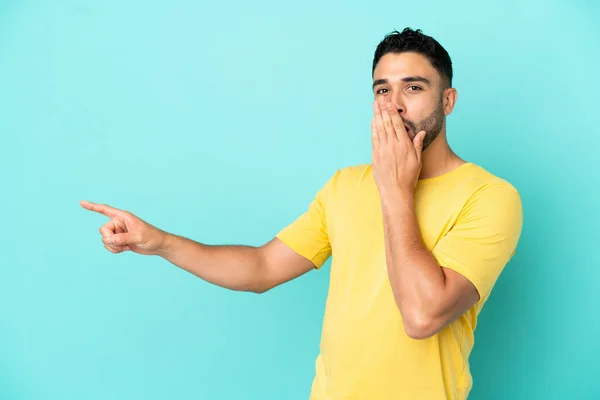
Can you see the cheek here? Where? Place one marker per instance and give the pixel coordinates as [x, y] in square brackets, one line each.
[422, 108]
[416, 109]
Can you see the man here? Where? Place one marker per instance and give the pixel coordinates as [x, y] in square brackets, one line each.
[418, 238]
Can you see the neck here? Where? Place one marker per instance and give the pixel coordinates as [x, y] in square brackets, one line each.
[439, 158]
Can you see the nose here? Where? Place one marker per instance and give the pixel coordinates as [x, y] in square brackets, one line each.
[397, 102]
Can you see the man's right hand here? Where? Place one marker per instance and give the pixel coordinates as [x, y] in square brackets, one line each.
[126, 232]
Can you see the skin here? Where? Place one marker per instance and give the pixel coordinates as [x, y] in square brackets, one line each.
[428, 296]
[235, 267]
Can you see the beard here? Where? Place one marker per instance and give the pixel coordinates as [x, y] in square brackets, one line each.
[432, 125]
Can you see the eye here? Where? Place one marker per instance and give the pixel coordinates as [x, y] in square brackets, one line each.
[379, 91]
[414, 88]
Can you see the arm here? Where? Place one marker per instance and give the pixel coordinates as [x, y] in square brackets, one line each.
[475, 250]
[236, 267]
[243, 268]
[428, 296]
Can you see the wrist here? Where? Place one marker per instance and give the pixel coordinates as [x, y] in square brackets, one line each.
[166, 245]
[397, 198]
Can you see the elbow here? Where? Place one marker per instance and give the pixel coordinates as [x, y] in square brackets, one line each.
[420, 326]
[419, 334]
[249, 287]
[260, 290]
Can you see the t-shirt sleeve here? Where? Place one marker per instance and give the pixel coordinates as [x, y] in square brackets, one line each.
[308, 235]
[484, 237]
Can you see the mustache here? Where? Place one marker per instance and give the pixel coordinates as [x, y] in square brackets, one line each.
[410, 124]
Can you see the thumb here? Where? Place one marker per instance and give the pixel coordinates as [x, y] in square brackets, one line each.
[418, 141]
[119, 239]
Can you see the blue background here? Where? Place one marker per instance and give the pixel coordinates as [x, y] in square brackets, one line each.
[220, 121]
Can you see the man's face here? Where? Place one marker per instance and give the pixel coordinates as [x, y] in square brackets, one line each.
[413, 86]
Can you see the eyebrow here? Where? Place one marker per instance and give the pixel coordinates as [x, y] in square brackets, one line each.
[406, 79]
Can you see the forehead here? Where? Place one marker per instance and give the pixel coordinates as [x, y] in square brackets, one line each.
[397, 66]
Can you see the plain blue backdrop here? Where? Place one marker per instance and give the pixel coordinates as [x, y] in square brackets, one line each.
[219, 121]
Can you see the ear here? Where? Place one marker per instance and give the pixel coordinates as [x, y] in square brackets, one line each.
[449, 100]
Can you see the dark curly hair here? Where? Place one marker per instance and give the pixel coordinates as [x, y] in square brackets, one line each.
[410, 40]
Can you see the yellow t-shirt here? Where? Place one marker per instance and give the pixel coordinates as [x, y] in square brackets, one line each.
[471, 221]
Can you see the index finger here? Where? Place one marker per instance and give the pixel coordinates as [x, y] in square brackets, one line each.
[398, 123]
[109, 211]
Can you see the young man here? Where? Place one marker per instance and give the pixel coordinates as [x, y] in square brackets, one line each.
[418, 238]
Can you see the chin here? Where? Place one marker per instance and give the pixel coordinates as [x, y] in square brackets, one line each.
[427, 145]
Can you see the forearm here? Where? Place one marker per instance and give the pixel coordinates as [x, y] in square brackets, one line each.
[233, 267]
[417, 280]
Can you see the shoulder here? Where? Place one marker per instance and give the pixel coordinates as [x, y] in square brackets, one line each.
[491, 197]
[473, 177]
[352, 174]
[344, 181]
[487, 185]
